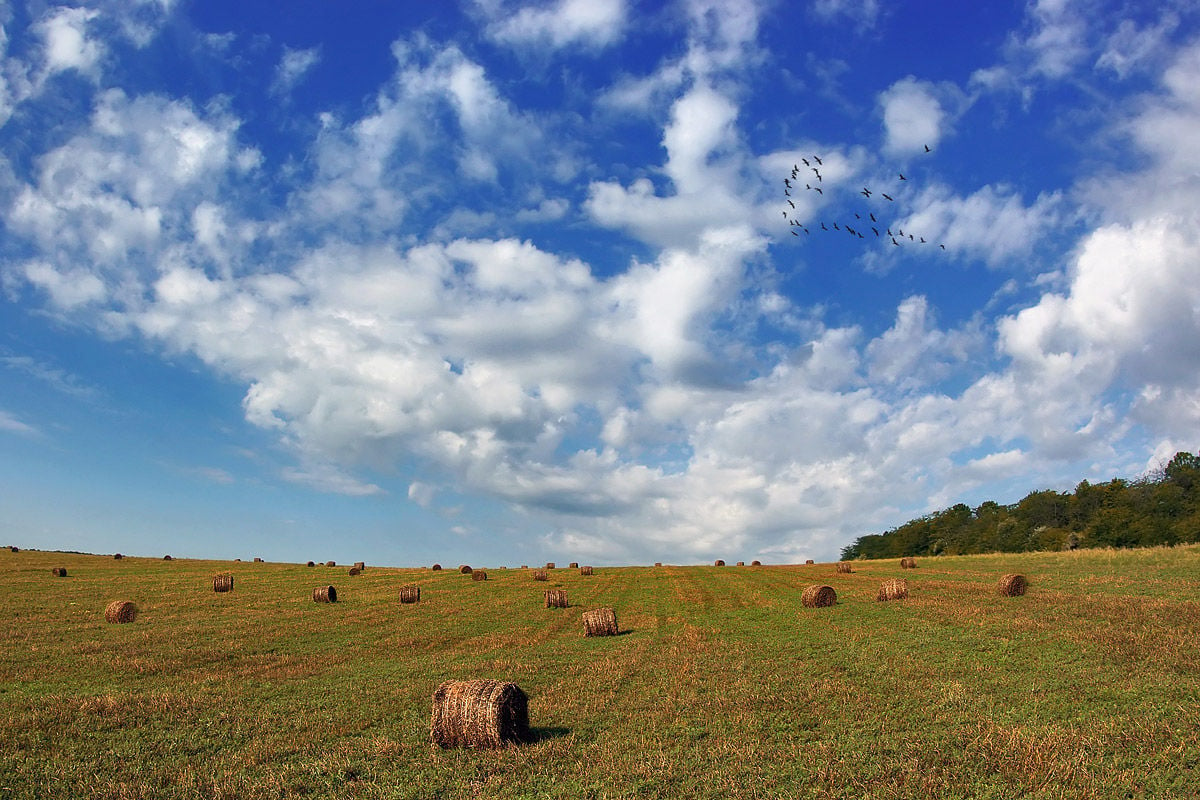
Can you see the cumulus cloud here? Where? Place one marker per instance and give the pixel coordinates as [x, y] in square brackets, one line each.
[913, 117]
[592, 23]
[293, 66]
[66, 43]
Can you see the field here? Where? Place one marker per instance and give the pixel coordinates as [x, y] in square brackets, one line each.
[721, 684]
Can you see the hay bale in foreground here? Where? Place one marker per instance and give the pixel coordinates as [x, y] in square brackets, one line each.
[540, 575]
[360, 565]
[59, 572]
[119, 612]
[436, 568]
[479, 714]
[223, 582]
[479, 575]
[908, 563]
[818, 597]
[324, 594]
[1012, 585]
[355, 571]
[844, 566]
[464, 569]
[586, 571]
[410, 594]
[556, 598]
[894, 589]
[600, 622]
[573, 565]
[718, 563]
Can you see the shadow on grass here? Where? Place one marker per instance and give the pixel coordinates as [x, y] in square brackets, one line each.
[537, 735]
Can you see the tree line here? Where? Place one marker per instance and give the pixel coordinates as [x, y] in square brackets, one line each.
[1160, 508]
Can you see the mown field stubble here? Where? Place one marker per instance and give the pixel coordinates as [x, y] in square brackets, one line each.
[721, 684]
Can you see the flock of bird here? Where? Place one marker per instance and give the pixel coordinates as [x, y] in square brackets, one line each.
[858, 229]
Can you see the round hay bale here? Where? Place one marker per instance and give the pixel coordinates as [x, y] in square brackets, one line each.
[355, 571]
[12, 548]
[479, 575]
[658, 563]
[311, 564]
[361, 566]
[586, 571]
[740, 564]
[540, 575]
[236, 560]
[324, 594]
[556, 598]
[258, 560]
[223, 582]
[818, 597]
[756, 563]
[908, 563]
[331, 563]
[600, 622]
[524, 566]
[718, 563]
[573, 565]
[464, 569]
[1012, 585]
[117, 556]
[479, 714]
[119, 612]
[549, 565]
[436, 568]
[59, 572]
[894, 589]
[844, 566]
[167, 558]
[809, 561]
[410, 594]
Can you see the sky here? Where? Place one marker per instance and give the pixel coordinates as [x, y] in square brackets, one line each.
[499, 282]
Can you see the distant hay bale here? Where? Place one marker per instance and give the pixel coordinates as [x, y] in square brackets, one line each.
[324, 594]
[600, 622]
[258, 560]
[410, 594]
[120, 612]
[740, 564]
[223, 582]
[360, 565]
[436, 568]
[549, 565]
[556, 598]
[845, 566]
[117, 556]
[756, 563]
[236, 560]
[479, 575]
[59, 572]
[893, 589]
[311, 564]
[167, 558]
[524, 566]
[718, 563]
[586, 570]
[479, 714]
[818, 597]
[908, 563]
[464, 569]
[13, 548]
[1012, 585]
[540, 575]
[331, 563]
[658, 563]
[573, 565]
[809, 561]
[355, 571]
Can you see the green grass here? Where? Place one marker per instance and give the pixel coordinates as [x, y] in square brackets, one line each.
[723, 685]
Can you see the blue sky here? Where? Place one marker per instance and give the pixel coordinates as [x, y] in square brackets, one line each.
[501, 282]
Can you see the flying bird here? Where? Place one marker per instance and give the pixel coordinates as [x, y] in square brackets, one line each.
[805, 160]
[817, 189]
[887, 197]
[927, 148]
[865, 192]
[790, 203]
[942, 246]
[795, 234]
[872, 216]
[875, 229]
[817, 159]
[895, 242]
[901, 174]
[824, 228]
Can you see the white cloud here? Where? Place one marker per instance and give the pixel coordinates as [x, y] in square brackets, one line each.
[293, 66]
[10, 424]
[66, 43]
[591, 23]
[913, 117]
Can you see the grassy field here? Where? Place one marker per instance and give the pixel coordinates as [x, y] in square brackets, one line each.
[720, 686]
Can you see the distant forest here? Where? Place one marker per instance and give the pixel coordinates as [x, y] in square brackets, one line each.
[1160, 508]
